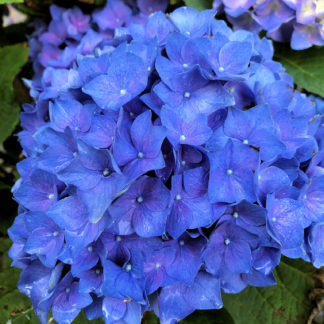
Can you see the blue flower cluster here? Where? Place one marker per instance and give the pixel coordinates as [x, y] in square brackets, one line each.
[168, 159]
[299, 21]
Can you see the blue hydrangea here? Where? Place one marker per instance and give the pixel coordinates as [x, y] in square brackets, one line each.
[299, 22]
[167, 159]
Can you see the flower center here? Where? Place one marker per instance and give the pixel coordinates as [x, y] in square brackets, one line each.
[140, 155]
[97, 52]
[229, 172]
[182, 138]
[106, 172]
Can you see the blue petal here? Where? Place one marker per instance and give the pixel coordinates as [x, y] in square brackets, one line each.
[234, 57]
[286, 217]
[70, 113]
[85, 260]
[94, 310]
[238, 257]
[204, 293]
[68, 213]
[76, 174]
[148, 223]
[113, 309]
[126, 78]
[315, 240]
[172, 306]
[185, 127]
[99, 198]
[188, 255]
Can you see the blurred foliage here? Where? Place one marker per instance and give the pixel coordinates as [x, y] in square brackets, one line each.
[13, 58]
[14, 34]
[10, 1]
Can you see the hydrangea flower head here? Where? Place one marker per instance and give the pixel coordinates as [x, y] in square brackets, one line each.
[299, 22]
[168, 159]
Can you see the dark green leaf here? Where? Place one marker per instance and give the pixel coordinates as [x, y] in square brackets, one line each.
[306, 67]
[150, 318]
[287, 302]
[199, 4]
[12, 59]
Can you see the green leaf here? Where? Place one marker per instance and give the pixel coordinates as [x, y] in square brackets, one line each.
[199, 4]
[12, 59]
[306, 67]
[15, 308]
[10, 1]
[150, 318]
[286, 302]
